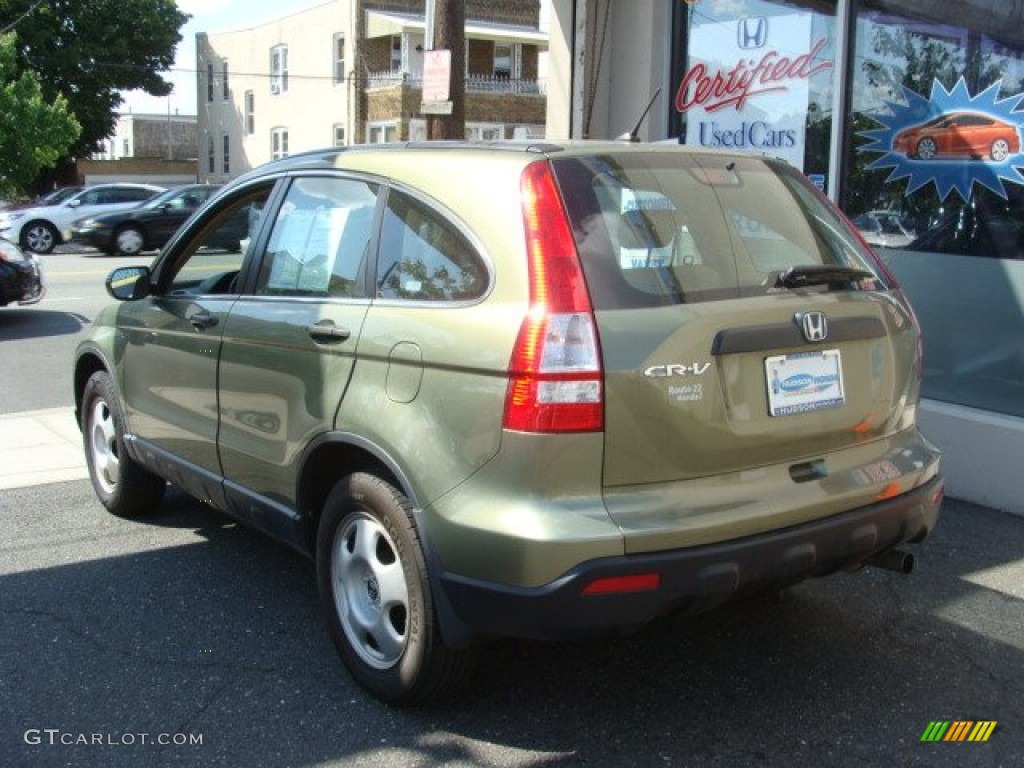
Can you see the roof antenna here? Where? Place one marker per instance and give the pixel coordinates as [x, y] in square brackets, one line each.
[634, 135]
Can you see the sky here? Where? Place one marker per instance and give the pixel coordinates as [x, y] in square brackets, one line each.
[207, 16]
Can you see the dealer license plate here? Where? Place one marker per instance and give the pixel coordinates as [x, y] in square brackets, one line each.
[803, 382]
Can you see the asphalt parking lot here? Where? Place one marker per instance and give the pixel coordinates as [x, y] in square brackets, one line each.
[186, 640]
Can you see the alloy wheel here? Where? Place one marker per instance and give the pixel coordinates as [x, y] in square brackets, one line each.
[103, 446]
[370, 591]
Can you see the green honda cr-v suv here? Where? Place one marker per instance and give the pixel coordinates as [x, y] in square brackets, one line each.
[531, 390]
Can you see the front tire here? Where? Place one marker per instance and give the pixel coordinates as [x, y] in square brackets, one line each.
[39, 237]
[129, 241]
[1000, 150]
[122, 485]
[376, 595]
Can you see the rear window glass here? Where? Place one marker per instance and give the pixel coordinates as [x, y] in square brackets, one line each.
[670, 228]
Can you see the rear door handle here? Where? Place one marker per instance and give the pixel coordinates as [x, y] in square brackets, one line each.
[327, 332]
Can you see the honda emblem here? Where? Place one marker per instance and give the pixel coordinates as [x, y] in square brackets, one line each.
[752, 32]
[814, 325]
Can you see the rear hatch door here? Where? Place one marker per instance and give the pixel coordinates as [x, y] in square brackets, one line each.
[742, 324]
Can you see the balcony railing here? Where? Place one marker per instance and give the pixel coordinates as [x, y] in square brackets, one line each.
[474, 83]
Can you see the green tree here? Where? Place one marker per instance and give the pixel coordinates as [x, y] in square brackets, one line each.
[34, 132]
[89, 51]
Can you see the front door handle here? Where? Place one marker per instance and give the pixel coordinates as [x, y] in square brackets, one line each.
[201, 320]
[327, 332]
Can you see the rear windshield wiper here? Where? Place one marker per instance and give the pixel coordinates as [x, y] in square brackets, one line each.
[833, 275]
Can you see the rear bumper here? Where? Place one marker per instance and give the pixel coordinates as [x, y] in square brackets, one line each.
[693, 579]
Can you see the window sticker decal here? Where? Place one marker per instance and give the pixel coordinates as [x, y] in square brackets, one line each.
[951, 139]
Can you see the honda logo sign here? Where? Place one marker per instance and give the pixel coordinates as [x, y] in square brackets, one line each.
[752, 32]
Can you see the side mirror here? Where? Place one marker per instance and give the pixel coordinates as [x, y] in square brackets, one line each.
[129, 283]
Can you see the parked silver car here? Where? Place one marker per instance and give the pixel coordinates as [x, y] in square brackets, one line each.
[41, 228]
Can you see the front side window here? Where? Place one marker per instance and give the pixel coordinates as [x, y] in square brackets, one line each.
[226, 158]
[211, 156]
[424, 256]
[211, 261]
[225, 89]
[320, 240]
[279, 69]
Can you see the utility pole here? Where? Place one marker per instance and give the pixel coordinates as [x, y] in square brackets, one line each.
[450, 34]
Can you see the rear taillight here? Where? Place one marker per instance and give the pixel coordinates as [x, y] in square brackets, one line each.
[555, 374]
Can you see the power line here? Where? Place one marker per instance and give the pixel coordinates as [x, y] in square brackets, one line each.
[21, 18]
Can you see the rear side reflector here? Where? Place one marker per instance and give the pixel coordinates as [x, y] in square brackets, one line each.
[610, 585]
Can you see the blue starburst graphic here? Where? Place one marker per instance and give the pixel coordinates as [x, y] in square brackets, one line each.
[913, 145]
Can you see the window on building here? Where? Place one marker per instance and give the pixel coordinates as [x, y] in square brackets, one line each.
[485, 131]
[211, 156]
[339, 135]
[396, 53]
[381, 133]
[279, 69]
[226, 157]
[936, 151]
[209, 81]
[226, 92]
[279, 143]
[250, 113]
[126, 150]
[502, 61]
[339, 58]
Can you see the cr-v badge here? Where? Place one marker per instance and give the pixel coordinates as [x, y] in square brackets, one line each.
[676, 369]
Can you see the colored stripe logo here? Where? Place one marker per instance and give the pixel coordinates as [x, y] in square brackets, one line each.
[959, 730]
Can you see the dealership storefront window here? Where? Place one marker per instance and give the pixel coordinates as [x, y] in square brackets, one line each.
[928, 162]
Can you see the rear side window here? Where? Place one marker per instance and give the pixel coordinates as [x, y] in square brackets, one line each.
[130, 195]
[672, 228]
[424, 257]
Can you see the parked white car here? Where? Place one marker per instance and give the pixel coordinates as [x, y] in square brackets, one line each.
[41, 228]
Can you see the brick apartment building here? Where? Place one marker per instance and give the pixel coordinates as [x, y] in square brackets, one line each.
[351, 71]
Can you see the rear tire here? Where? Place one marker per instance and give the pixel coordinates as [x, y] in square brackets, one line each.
[375, 591]
[122, 485]
[927, 149]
